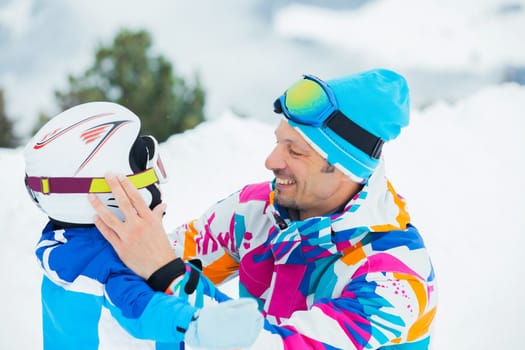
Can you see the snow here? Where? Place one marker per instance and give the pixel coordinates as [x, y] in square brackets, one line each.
[459, 164]
[460, 167]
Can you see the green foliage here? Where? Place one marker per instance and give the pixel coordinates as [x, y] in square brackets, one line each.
[128, 74]
[7, 136]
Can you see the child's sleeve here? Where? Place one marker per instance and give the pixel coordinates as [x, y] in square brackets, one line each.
[147, 314]
[189, 310]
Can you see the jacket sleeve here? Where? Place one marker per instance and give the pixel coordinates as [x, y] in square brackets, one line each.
[144, 313]
[164, 319]
[212, 239]
[185, 280]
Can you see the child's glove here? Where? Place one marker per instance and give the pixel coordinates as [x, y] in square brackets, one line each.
[226, 325]
[230, 324]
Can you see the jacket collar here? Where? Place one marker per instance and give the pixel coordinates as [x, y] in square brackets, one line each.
[376, 208]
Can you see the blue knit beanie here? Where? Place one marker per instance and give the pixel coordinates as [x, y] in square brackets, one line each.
[376, 100]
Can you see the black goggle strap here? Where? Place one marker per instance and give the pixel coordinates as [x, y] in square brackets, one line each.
[347, 130]
[355, 134]
[277, 107]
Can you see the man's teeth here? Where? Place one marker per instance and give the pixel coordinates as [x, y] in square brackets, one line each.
[284, 181]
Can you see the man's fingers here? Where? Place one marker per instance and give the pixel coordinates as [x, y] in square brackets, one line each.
[110, 235]
[159, 210]
[133, 195]
[104, 214]
[121, 197]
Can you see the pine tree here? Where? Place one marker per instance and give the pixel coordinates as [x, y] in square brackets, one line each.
[127, 73]
[7, 137]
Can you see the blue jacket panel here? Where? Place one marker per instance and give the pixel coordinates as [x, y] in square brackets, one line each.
[89, 297]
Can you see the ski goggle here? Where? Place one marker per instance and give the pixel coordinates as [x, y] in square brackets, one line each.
[154, 172]
[312, 102]
[154, 161]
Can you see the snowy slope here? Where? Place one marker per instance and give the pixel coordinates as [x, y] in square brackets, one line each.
[460, 167]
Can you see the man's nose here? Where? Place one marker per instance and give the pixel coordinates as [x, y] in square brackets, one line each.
[275, 159]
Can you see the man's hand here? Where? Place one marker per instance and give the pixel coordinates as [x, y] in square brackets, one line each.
[140, 241]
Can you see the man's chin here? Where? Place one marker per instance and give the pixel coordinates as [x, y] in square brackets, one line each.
[285, 201]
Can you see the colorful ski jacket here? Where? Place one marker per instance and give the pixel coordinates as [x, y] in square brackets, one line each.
[91, 300]
[358, 279]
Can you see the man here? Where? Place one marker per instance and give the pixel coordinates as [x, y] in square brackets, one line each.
[326, 248]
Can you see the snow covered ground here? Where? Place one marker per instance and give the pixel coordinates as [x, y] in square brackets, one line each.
[460, 167]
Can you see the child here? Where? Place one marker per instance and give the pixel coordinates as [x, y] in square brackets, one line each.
[89, 297]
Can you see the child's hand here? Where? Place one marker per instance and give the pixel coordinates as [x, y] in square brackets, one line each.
[231, 324]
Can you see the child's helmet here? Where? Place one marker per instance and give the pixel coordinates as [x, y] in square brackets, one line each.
[70, 155]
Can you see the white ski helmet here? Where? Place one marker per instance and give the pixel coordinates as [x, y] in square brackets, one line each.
[70, 155]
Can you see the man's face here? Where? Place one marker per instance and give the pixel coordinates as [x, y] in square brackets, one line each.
[304, 180]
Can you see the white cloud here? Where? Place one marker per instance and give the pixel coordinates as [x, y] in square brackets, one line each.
[15, 16]
[436, 35]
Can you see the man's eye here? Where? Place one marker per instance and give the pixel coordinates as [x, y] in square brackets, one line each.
[294, 153]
